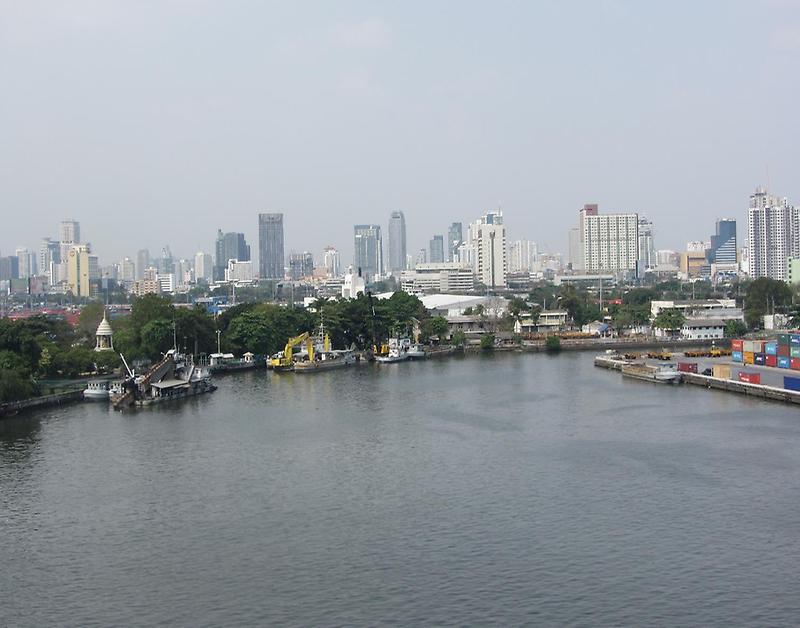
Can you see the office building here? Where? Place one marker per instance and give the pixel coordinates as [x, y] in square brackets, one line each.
[270, 246]
[332, 261]
[773, 233]
[49, 255]
[436, 247]
[203, 267]
[82, 270]
[368, 251]
[27, 262]
[142, 262]
[301, 266]
[127, 271]
[610, 241]
[444, 277]
[397, 242]
[647, 250]
[522, 256]
[237, 271]
[487, 239]
[9, 268]
[229, 246]
[575, 251]
[455, 238]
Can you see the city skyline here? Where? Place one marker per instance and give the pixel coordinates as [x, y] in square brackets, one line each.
[670, 127]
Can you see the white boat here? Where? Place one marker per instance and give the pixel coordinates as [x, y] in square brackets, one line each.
[97, 390]
[398, 351]
[659, 374]
[416, 352]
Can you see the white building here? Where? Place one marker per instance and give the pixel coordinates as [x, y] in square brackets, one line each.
[719, 308]
[703, 328]
[127, 271]
[69, 234]
[332, 261]
[773, 229]
[237, 271]
[27, 262]
[353, 284]
[203, 267]
[443, 277]
[166, 283]
[647, 250]
[610, 242]
[522, 256]
[575, 253]
[487, 237]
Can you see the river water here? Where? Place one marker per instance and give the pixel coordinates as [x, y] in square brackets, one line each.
[514, 489]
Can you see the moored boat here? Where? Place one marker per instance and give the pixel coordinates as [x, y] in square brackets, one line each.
[659, 374]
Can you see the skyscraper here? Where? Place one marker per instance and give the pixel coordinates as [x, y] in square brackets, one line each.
[610, 242]
[301, 265]
[723, 243]
[397, 242]
[142, 262]
[436, 246]
[49, 256]
[270, 246]
[231, 245]
[203, 268]
[69, 234]
[487, 240]
[332, 262]
[455, 237]
[82, 270]
[773, 229]
[647, 250]
[368, 251]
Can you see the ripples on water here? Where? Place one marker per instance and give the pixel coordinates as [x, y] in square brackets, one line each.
[505, 490]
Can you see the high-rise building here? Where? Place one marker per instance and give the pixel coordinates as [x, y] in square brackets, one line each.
[9, 267]
[49, 255]
[332, 262]
[723, 243]
[647, 250]
[575, 256]
[610, 242]
[69, 234]
[82, 270]
[773, 231]
[368, 251]
[229, 246]
[422, 257]
[455, 238]
[142, 262]
[522, 255]
[203, 268]
[397, 242]
[270, 246]
[301, 265]
[127, 271]
[436, 247]
[487, 239]
[27, 262]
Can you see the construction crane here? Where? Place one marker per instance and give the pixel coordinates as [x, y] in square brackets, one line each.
[282, 361]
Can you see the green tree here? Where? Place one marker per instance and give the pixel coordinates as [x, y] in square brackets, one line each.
[458, 339]
[89, 318]
[734, 328]
[552, 344]
[156, 338]
[487, 342]
[765, 296]
[669, 319]
[517, 307]
[15, 385]
[434, 326]
[149, 308]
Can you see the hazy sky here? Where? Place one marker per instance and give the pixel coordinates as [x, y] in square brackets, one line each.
[157, 122]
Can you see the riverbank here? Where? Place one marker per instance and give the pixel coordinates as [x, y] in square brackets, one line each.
[13, 408]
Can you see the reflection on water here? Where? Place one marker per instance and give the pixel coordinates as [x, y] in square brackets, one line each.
[509, 489]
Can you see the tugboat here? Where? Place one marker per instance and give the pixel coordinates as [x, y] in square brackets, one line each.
[320, 357]
[175, 376]
[398, 351]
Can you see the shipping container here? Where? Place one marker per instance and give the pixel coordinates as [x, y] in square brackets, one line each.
[772, 360]
[784, 350]
[760, 359]
[791, 383]
[721, 371]
[737, 356]
[736, 344]
[794, 340]
[794, 352]
[771, 348]
[783, 339]
[784, 362]
[687, 367]
[750, 378]
[749, 357]
[795, 364]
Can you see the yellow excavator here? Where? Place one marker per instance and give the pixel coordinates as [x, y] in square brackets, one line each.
[282, 361]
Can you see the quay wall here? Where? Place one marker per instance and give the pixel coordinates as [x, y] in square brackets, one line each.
[13, 407]
[753, 390]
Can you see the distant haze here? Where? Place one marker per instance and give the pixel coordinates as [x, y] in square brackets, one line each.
[157, 122]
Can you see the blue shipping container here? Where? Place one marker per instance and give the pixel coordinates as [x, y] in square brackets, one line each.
[784, 362]
[736, 356]
[794, 339]
[760, 358]
[771, 348]
[791, 383]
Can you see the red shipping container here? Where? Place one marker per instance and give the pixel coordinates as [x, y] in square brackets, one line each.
[784, 350]
[736, 345]
[687, 367]
[771, 360]
[795, 364]
[750, 378]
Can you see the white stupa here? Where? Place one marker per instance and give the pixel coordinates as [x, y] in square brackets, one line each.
[104, 336]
